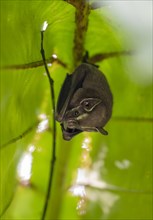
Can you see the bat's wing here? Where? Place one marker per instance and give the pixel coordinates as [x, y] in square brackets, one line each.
[64, 93]
[71, 84]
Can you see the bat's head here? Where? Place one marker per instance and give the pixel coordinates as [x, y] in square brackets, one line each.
[90, 114]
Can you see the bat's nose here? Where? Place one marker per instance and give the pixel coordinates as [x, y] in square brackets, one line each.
[71, 124]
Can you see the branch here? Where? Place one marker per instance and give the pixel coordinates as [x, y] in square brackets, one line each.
[52, 163]
[81, 20]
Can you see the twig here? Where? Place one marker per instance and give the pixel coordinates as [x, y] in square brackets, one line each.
[81, 20]
[51, 170]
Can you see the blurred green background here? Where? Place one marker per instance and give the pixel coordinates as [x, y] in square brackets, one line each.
[96, 177]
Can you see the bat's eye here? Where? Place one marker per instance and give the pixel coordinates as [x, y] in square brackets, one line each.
[76, 113]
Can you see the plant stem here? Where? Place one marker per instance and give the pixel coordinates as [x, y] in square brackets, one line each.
[81, 20]
[52, 163]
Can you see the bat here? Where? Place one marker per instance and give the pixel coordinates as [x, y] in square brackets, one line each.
[85, 102]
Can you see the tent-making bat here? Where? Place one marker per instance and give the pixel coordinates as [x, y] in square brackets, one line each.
[85, 102]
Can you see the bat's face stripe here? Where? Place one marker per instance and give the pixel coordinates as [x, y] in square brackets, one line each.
[83, 116]
[73, 113]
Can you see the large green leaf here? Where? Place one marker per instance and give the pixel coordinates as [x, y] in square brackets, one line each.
[95, 177]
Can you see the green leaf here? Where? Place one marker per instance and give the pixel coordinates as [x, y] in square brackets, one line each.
[95, 177]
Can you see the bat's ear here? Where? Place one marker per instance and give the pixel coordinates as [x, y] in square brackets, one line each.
[86, 59]
[89, 104]
[64, 93]
[102, 131]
